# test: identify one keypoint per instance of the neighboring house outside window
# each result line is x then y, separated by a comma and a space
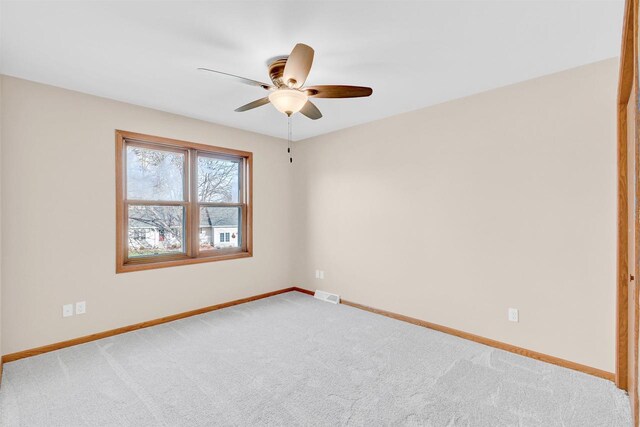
139, 233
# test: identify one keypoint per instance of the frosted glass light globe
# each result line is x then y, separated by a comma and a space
288, 101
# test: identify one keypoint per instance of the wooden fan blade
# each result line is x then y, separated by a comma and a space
338, 91
298, 66
241, 79
311, 111
257, 103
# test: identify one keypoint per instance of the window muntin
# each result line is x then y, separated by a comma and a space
180, 202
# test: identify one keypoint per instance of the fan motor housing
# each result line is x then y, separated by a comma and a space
276, 69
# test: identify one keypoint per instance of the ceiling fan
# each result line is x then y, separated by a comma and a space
288, 95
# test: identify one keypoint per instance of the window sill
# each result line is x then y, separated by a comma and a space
129, 267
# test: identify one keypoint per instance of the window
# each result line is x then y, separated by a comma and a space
180, 202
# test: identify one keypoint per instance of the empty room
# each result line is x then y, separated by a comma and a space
319, 213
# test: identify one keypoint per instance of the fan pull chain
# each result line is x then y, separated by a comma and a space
289, 139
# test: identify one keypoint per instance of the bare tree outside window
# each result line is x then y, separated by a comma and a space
218, 180
154, 174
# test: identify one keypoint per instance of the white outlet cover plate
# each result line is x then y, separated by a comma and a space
513, 314
81, 307
67, 310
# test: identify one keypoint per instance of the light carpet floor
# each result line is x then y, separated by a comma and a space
294, 360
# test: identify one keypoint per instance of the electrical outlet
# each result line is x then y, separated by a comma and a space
513, 315
67, 310
81, 307
317, 274
321, 274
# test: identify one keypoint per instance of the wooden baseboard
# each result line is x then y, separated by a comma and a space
482, 340
88, 338
304, 291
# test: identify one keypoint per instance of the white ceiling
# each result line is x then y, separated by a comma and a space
413, 54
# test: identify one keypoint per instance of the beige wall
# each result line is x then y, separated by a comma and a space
58, 211
502, 199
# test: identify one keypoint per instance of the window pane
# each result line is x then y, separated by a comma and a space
220, 228
218, 180
155, 230
154, 174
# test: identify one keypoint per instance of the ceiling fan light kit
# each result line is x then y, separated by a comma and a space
288, 75
288, 101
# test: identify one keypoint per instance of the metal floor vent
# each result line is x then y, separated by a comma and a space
326, 296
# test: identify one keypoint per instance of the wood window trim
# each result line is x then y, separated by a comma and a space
192, 254
627, 334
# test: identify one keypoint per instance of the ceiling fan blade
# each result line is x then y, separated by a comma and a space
311, 111
298, 66
338, 91
257, 103
241, 79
